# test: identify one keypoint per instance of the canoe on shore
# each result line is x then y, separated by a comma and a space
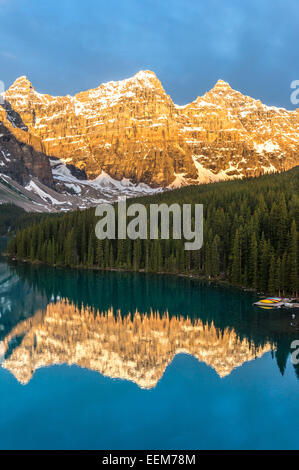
277, 302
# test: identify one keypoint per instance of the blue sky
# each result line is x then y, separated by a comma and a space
65, 46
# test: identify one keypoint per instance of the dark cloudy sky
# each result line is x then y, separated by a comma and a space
65, 46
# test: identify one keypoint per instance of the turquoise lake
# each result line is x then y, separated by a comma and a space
106, 360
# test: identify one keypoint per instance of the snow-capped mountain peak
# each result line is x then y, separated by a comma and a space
131, 129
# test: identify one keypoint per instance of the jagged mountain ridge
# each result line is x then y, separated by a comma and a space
32, 180
132, 129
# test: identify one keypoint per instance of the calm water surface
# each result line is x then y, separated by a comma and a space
93, 360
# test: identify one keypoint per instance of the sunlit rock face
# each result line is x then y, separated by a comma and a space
135, 347
132, 129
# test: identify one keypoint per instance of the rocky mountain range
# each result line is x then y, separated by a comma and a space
130, 133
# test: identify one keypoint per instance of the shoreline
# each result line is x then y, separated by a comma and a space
194, 276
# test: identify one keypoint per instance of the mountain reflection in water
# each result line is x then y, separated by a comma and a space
134, 347
131, 326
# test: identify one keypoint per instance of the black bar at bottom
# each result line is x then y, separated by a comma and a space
134, 459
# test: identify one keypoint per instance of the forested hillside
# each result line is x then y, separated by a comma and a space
250, 236
13, 217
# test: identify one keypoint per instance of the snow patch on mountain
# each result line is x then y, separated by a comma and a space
204, 175
179, 181
45, 196
268, 147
